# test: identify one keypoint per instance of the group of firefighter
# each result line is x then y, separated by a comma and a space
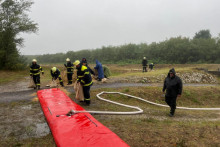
144, 64
83, 74
172, 83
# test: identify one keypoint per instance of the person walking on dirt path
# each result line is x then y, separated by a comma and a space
99, 68
151, 66
55, 73
69, 67
84, 62
35, 70
85, 79
173, 86
144, 64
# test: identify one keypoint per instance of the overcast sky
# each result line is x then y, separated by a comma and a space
72, 25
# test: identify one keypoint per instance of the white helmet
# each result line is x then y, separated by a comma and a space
67, 59
144, 57
34, 60
53, 69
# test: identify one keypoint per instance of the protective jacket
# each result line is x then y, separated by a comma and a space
144, 62
99, 69
69, 67
84, 76
35, 69
172, 85
55, 74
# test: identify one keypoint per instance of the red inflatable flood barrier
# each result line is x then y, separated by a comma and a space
78, 130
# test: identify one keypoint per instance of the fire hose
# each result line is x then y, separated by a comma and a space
138, 110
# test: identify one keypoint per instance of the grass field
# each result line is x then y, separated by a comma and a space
152, 128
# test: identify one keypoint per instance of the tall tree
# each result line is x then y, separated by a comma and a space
204, 34
13, 21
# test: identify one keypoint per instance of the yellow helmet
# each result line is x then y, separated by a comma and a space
53, 69
67, 59
76, 62
34, 60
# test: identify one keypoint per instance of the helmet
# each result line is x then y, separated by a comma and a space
67, 59
144, 57
53, 69
34, 60
76, 62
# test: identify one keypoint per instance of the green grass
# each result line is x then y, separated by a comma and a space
152, 128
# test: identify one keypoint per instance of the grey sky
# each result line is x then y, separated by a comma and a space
71, 25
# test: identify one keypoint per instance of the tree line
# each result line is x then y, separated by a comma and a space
13, 21
202, 48
179, 50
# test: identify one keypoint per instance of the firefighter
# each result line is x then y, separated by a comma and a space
144, 64
35, 70
69, 67
55, 73
151, 66
84, 62
85, 79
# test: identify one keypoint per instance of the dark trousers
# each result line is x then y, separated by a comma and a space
86, 92
171, 101
36, 79
70, 78
144, 68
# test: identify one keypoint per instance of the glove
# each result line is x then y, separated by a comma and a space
65, 65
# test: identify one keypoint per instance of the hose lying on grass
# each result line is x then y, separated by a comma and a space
139, 110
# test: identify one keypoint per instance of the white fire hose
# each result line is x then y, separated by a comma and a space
139, 110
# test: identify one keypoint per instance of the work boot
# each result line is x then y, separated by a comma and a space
62, 84
171, 115
87, 102
172, 111
69, 83
38, 87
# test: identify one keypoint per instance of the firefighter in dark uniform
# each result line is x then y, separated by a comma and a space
144, 64
84, 62
55, 73
35, 70
69, 67
151, 66
84, 77
173, 86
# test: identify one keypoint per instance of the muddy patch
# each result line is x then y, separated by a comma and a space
22, 120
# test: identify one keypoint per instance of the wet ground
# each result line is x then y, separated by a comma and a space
21, 117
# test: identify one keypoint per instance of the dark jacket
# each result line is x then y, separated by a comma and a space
84, 76
35, 69
55, 74
144, 62
99, 69
172, 85
69, 67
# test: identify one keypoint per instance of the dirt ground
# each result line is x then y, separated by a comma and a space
22, 122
